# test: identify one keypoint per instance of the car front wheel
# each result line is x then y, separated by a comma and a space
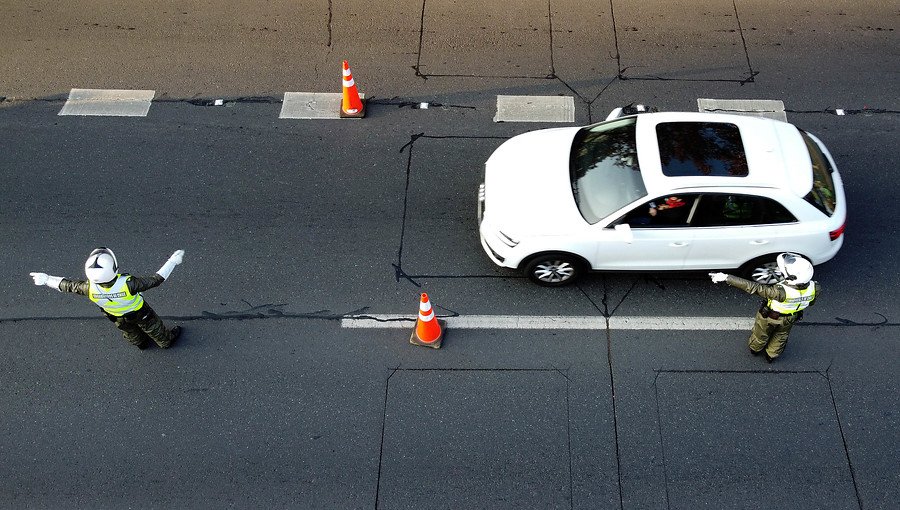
554, 270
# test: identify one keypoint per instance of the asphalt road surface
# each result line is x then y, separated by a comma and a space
294, 227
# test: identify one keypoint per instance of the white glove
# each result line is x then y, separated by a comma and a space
46, 279
40, 278
170, 264
718, 277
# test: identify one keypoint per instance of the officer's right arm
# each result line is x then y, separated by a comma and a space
762, 290
75, 286
45, 279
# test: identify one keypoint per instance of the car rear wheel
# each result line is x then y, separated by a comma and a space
554, 269
763, 270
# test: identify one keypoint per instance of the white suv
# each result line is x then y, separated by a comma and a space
660, 192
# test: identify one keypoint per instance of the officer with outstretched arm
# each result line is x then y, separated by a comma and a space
119, 296
785, 302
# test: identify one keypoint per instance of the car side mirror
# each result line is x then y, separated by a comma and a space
624, 233
615, 114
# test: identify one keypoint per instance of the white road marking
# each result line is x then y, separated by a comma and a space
108, 102
768, 108
593, 322
535, 109
312, 105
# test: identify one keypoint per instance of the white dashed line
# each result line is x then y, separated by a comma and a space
592, 322
108, 102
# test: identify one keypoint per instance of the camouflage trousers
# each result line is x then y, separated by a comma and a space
141, 326
771, 334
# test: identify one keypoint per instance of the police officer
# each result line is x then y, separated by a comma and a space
785, 303
119, 296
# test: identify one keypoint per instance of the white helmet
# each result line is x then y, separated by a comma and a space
101, 266
795, 269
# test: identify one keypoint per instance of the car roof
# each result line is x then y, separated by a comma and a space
775, 152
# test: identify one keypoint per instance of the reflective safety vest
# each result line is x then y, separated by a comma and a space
116, 300
795, 299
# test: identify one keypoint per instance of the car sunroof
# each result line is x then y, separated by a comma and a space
690, 149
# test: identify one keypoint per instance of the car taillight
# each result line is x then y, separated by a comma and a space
834, 234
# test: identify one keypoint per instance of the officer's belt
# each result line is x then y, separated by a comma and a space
765, 311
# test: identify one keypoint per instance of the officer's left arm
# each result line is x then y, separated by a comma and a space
166, 270
141, 283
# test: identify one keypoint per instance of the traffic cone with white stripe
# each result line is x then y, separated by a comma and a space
351, 106
429, 329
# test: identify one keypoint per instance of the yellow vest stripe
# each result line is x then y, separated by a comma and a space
795, 299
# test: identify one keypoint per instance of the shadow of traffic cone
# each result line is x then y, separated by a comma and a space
351, 106
429, 329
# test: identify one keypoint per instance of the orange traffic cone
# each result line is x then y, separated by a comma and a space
351, 106
428, 328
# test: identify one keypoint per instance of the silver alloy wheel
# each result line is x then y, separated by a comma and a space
554, 271
766, 273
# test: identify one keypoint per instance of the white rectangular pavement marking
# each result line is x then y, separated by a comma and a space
312, 105
768, 108
108, 102
535, 109
558, 322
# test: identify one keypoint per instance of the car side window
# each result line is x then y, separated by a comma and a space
726, 210
662, 212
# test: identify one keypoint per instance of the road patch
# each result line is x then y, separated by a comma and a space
108, 102
535, 109
767, 108
312, 105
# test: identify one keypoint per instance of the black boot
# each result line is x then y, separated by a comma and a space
176, 332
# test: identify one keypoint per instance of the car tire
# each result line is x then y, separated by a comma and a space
554, 269
762, 270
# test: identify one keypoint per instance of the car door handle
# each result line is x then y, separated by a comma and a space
759, 242
678, 244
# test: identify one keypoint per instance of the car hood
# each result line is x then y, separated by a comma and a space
527, 184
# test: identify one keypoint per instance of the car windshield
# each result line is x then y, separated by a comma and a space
604, 168
822, 195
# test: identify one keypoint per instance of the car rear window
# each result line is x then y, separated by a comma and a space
690, 149
730, 210
822, 195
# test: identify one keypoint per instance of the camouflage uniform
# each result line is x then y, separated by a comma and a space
139, 326
770, 329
